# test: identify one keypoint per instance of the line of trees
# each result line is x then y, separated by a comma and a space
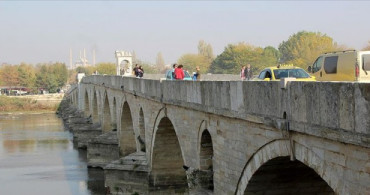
49, 77
301, 49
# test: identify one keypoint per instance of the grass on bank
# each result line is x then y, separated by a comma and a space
13, 104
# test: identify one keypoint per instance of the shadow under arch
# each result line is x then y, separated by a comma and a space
206, 151
166, 158
271, 164
107, 124
86, 105
205, 173
114, 114
95, 114
141, 137
127, 141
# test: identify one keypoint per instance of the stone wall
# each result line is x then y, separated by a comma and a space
341, 108
204, 77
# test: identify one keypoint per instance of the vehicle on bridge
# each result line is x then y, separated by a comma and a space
276, 73
342, 66
169, 76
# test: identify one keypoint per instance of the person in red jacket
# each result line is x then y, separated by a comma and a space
179, 72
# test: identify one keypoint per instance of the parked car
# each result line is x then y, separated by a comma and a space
342, 66
168, 75
275, 73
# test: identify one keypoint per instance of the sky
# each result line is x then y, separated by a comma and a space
45, 31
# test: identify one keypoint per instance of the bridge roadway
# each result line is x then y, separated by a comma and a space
235, 137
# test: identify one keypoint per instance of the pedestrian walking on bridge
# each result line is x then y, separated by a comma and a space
248, 74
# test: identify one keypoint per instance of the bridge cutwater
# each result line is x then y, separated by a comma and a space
223, 137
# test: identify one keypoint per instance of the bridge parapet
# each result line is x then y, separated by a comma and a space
334, 110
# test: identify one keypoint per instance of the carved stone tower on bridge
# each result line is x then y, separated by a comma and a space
124, 63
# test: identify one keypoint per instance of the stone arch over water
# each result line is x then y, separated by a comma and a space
127, 141
167, 160
107, 124
206, 160
283, 176
270, 170
206, 151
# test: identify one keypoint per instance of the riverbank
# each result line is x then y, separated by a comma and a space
12, 113
30, 104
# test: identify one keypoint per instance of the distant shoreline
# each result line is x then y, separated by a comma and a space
30, 104
27, 112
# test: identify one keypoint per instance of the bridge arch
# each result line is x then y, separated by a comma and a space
95, 114
167, 161
107, 124
114, 114
127, 141
141, 137
206, 159
86, 104
272, 162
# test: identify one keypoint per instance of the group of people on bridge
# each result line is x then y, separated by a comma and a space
179, 74
246, 73
138, 71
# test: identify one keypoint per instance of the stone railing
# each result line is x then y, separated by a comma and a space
335, 110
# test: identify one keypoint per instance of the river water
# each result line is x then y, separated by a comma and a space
37, 156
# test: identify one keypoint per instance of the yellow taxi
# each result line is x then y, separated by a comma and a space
275, 73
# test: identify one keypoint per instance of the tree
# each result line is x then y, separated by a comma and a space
160, 63
271, 56
203, 59
205, 49
9, 75
148, 68
51, 77
106, 68
42, 77
302, 48
72, 76
27, 75
60, 72
86, 70
191, 61
234, 57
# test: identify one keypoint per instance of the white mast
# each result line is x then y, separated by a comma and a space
84, 61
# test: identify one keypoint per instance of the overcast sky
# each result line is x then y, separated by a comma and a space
45, 31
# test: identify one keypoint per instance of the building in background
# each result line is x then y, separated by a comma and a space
81, 61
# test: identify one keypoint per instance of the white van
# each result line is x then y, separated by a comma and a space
342, 66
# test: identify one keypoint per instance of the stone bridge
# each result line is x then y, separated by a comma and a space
229, 137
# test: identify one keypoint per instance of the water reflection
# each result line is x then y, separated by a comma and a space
37, 157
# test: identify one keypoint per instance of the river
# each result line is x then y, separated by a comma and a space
37, 156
